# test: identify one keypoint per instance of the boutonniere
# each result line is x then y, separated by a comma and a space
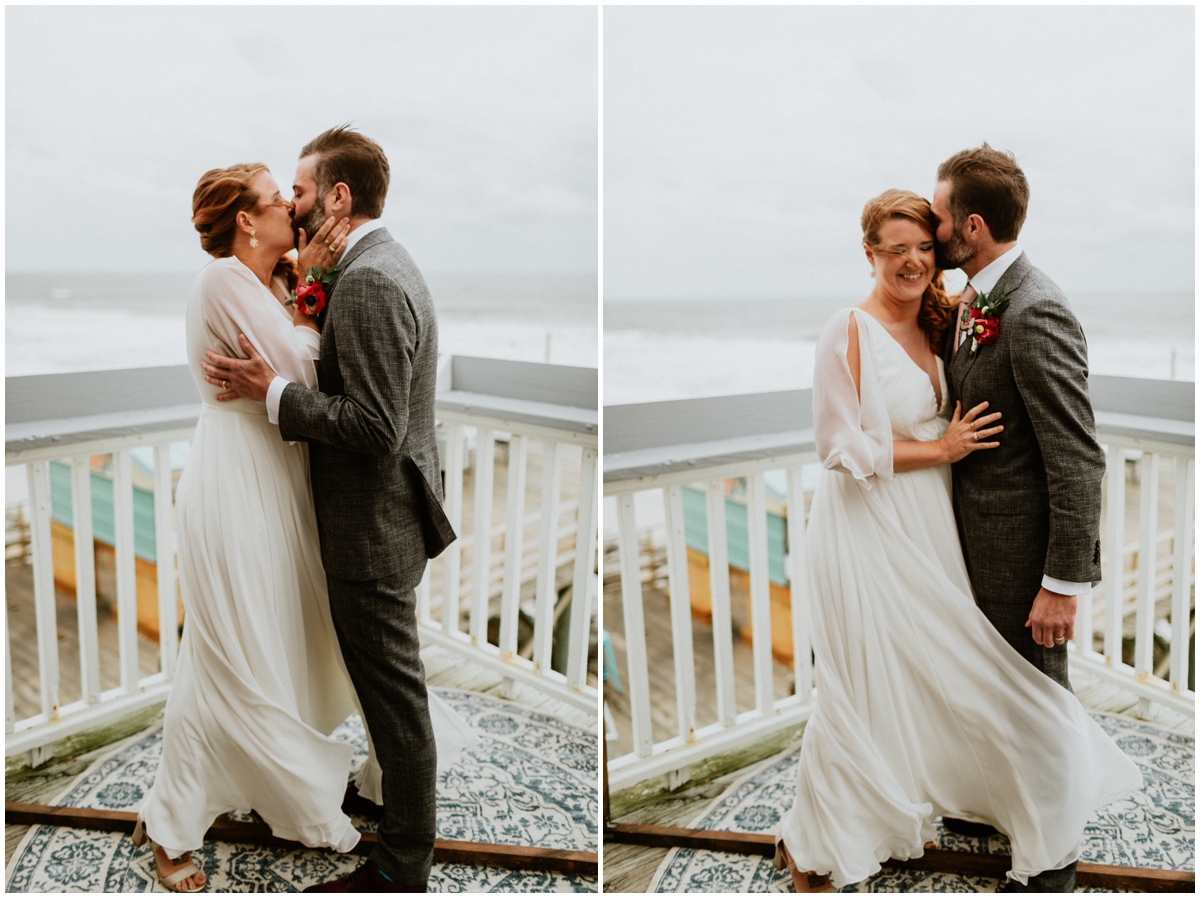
981, 322
310, 293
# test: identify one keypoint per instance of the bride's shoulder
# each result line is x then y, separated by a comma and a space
222, 273
836, 328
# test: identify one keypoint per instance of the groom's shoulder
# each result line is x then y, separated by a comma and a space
1034, 288
388, 261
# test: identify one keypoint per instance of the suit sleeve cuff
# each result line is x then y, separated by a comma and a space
274, 394
1065, 587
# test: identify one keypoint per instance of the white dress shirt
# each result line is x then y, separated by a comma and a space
985, 282
275, 391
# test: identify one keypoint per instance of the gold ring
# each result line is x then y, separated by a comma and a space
976, 435
224, 385
1059, 640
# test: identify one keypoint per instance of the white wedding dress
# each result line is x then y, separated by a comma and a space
922, 708
260, 683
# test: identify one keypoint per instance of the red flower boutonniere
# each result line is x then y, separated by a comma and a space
310, 292
981, 322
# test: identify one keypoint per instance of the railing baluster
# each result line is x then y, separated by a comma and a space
760, 594
9, 716
585, 561
85, 580
1181, 574
452, 572
481, 551
546, 590
798, 577
518, 451
126, 571
635, 627
1113, 570
681, 613
164, 553
43, 585
722, 619
1143, 646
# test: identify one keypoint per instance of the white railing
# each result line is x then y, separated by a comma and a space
70, 418
654, 450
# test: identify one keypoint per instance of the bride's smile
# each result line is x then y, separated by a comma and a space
903, 260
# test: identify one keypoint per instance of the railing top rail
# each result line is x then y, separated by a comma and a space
51, 410
658, 438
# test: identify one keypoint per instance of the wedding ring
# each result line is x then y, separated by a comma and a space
224, 385
1059, 640
976, 435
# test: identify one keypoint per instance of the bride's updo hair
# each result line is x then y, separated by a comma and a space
937, 312
221, 194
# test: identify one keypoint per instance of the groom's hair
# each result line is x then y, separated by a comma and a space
990, 184
347, 157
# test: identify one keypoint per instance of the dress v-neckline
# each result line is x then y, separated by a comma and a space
941, 368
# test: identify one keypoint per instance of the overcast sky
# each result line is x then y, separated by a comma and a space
488, 117
742, 143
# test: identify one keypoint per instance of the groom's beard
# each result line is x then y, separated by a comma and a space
954, 253
311, 221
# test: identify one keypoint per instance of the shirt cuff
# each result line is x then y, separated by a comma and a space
1065, 587
311, 340
274, 394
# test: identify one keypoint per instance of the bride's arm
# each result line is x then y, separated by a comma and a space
956, 443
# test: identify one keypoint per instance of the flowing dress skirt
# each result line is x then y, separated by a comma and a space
259, 683
922, 708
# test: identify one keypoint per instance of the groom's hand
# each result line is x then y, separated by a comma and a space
239, 378
1053, 615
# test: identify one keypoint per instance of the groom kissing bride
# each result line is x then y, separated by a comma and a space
953, 527
300, 599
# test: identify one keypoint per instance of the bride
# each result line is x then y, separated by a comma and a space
260, 683
923, 709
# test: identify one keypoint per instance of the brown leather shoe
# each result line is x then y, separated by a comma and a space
366, 878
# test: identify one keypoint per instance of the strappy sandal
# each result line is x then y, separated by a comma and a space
801, 879
171, 879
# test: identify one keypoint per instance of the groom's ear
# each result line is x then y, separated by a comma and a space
341, 201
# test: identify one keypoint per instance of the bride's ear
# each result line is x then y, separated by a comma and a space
243, 222
870, 256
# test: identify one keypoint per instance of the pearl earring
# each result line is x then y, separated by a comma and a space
253, 240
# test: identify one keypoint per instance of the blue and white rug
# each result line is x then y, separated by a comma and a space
531, 780
1155, 827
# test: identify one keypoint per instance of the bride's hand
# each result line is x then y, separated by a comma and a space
326, 246
968, 432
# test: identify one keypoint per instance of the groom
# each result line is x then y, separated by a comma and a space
1029, 511
375, 481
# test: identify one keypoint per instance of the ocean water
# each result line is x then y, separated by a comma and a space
671, 349
57, 323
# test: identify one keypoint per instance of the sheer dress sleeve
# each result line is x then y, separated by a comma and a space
853, 434
234, 302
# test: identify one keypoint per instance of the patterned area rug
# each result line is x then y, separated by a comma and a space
531, 780
1155, 827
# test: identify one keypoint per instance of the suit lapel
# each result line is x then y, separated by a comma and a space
962, 361
376, 237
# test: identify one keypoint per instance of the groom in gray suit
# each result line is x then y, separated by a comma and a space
1029, 511
375, 479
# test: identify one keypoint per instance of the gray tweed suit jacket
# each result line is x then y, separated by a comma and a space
370, 426
1031, 506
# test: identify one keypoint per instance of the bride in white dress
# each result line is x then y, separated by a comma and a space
259, 683
923, 709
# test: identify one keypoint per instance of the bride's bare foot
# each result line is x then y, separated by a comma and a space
166, 867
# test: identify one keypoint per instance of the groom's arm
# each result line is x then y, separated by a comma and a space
1050, 368
375, 336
